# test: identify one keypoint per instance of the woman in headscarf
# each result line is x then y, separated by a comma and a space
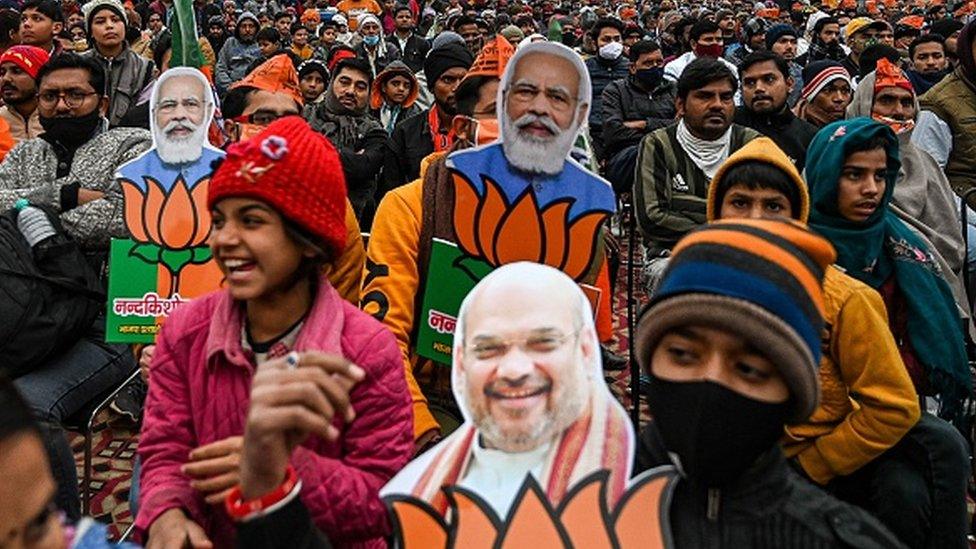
852, 168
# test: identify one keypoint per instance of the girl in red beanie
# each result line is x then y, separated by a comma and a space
278, 208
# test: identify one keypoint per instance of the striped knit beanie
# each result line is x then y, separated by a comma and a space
760, 279
819, 74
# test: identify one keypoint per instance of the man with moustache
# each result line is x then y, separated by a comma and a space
343, 117
826, 93
766, 85
676, 163
182, 107
19, 66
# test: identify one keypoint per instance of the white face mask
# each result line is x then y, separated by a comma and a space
612, 50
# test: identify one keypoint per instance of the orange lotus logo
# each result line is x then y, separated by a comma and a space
491, 229
169, 228
640, 519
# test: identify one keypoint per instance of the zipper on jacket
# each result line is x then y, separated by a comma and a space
714, 500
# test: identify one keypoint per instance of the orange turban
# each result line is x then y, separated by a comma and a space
888, 75
492, 58
276, 75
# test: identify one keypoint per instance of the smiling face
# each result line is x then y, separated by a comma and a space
253, 251
523, 364
862, 184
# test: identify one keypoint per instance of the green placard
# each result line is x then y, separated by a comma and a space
450, 276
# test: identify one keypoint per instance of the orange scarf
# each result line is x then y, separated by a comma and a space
442, 141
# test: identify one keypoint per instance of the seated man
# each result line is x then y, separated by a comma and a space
343, 117
852, 170
826, 93
731, 343
675, 164
766, 85
71, 169
929, 62
634, 106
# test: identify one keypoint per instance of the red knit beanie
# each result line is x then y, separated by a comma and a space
293, 169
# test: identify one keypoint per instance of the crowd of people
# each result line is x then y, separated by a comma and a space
797, 179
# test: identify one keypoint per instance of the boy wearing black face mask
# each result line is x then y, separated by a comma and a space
731, 344
639, 103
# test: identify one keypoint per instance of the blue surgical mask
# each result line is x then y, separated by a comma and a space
649, 78
371, 40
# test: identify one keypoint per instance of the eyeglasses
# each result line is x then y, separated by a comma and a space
535, 346
72, 98
558, 99
261, 118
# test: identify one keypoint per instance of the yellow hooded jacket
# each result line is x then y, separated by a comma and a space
867, 401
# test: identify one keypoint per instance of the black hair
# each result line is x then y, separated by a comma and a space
163, 45
296, 26
310, 268
69, 60
400, 7
606, 22
756, 174
269, 34
328, 25
463, 20
468, 93
874, 53
702, 72
925, 39
15, 415
702, 27
281, 15
355, 63
235, 101
762, 56
49, 8
877, 142
821, 23
642, 47
9, 23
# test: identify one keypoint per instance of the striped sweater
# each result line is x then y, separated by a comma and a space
669, 189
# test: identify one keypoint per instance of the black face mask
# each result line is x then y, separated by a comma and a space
649, 78
71, 131
716, 432
569, 39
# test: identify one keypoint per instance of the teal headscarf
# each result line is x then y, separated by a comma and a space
881, 246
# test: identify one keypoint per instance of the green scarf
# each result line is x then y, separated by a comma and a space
882, 246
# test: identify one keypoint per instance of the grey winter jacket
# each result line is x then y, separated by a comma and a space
128, 78
30, 171
625, 102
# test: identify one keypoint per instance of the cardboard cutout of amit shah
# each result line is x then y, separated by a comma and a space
166, 261
544, 455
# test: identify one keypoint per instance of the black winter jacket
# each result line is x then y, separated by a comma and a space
790, 133
602, 73
409, 143
414, 51
623, 102
769, 507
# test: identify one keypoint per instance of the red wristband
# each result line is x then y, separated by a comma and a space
239, 509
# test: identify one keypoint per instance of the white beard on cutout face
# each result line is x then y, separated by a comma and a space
529, 153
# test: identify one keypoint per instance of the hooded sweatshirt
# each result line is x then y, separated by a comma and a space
922, 198
888, 255
390, 115
236, 55
860, 358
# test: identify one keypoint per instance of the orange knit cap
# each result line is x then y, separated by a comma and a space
310, 15
276, 75
492, 59
888, 75
914, 21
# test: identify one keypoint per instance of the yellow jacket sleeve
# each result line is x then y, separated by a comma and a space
885, 404
391, 280
346, 274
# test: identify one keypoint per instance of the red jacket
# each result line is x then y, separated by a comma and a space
199, 393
